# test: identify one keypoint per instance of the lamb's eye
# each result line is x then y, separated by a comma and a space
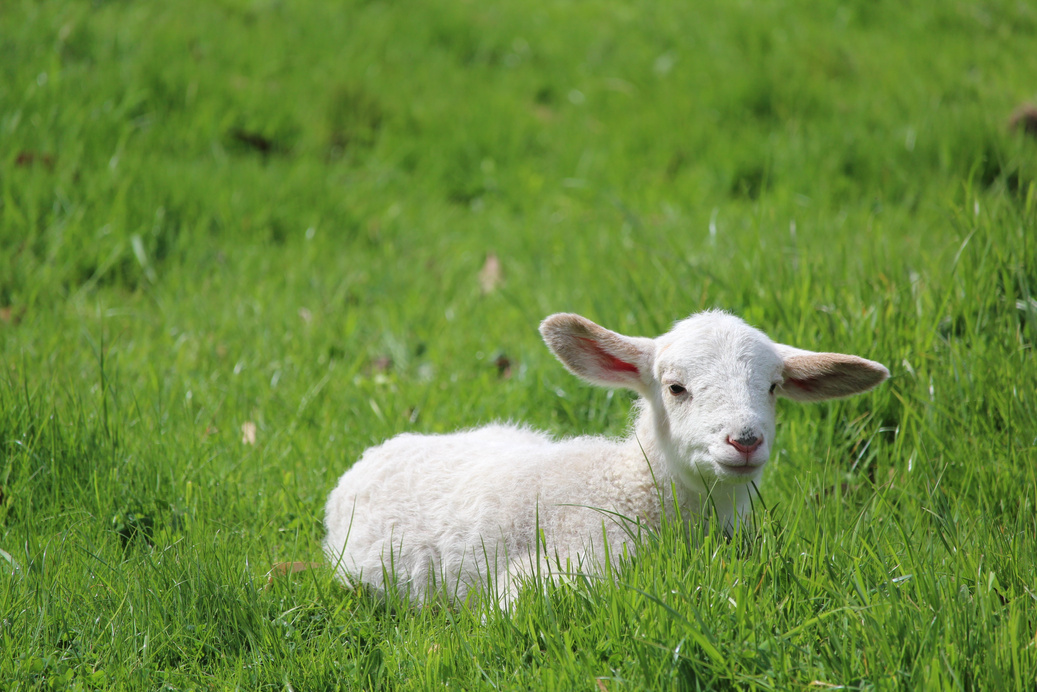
677, 389
773, 387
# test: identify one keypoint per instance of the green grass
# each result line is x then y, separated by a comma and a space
216, 214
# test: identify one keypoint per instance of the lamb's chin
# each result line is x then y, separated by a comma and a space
743, 473
735, 470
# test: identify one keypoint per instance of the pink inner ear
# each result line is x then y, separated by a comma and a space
608, 361
805, 385
614, 363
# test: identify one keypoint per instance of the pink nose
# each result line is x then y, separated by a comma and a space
746, 444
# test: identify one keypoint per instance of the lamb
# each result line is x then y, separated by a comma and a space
485, 509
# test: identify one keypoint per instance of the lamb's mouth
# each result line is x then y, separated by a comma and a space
740, 469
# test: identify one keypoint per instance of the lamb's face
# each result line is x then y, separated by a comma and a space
715, 386
710, 385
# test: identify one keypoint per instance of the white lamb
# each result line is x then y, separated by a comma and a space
487, 508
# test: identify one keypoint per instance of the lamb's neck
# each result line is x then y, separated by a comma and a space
644, 446
645, 442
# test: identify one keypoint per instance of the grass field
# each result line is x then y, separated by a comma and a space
240, 242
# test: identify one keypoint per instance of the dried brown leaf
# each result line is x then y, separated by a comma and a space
1024, 120
491, 275
9, 315
282, 569
256, 141
248, 433
27, 158
503, 364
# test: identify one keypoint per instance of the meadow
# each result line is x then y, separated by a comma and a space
242, 241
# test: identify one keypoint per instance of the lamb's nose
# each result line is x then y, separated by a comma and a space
747, 442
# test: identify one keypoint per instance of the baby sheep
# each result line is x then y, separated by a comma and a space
487, 508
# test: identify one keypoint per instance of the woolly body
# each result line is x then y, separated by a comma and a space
451, 510
448, 513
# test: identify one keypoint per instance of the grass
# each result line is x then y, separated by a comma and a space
239, 217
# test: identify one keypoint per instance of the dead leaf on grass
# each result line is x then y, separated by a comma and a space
491, 275
282, 569
256, 141
248, 433
1024, 120
28, 158
503, 364
8, 315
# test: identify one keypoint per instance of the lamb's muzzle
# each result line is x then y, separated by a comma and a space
747, 442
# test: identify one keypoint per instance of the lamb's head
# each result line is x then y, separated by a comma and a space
709, 386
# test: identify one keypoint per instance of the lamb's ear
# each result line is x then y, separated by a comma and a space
813, 376
597, 354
